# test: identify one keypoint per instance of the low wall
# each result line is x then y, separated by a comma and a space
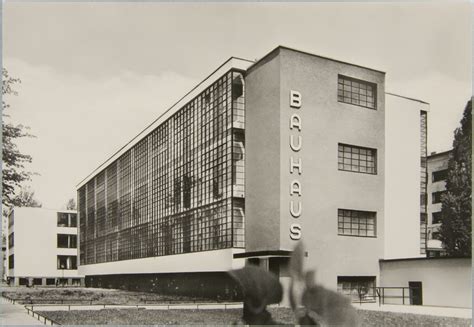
445, 281
211, 285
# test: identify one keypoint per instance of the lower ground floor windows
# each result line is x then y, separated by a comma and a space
359, 288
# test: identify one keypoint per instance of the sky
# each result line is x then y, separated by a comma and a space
95, 74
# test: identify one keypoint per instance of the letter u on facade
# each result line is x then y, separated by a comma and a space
294, 213
294, 147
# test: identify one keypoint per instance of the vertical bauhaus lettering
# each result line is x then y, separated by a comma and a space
295, 213
296, 143
295, 99
295, 122
295, 164
295, 188
295, 147
295, 231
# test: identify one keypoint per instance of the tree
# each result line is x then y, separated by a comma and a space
26, 198
71, 204
456, 210
13, 161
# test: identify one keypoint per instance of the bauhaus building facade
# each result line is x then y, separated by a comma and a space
258, 156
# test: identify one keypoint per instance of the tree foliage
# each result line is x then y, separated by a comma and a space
25, 198
13, 161
71, 204
456, 211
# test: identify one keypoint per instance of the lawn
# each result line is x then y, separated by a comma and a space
231, 316
82, 295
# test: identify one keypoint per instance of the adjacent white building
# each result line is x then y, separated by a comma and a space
42, 247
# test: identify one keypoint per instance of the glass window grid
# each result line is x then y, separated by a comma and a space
357, 159
173, 191
357, 223
357, 92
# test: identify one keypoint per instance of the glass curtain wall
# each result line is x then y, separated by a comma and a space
178, 190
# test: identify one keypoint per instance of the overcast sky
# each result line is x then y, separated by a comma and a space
95, 74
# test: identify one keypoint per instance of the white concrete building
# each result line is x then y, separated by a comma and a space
42, 247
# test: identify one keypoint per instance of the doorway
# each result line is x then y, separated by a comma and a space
416, 293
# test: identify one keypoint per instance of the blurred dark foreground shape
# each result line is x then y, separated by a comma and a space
311, 303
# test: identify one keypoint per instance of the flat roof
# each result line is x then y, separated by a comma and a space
266, 253
231, 63
439, 154
401, 96
310, 54
43, 208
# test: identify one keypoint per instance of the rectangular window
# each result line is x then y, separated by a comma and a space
436, 196
356, 223
356, 92
67, 262
436, 217
357, 287
62, 219
67, 241
73, 220
11, 242
50, 281
357, 159
440, 175
11, 261
67, 219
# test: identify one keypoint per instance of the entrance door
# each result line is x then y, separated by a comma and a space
416, 293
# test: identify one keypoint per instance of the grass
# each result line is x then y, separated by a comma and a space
80, 295
231, 316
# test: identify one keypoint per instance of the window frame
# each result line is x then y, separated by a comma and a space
436, 217
359, 166
436, 197
435, 175
360, 81
71, 259
339, 216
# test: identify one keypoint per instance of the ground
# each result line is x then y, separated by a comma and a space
180, 316
82, 295
231, 316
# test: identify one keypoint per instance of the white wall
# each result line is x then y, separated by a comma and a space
35, 244
445, 281
206, 261
402, 177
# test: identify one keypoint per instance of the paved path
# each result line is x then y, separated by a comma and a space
418, 309
194, 306
15, 314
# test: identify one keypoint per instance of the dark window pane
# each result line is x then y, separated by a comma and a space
62, 219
